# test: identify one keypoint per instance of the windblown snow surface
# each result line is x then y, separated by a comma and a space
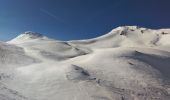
128, 63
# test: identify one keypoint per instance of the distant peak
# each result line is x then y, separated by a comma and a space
33, 35
26, 36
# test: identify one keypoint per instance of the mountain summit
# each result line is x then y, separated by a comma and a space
32, 35
27, 36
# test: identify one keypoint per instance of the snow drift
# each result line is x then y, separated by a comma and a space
128, 63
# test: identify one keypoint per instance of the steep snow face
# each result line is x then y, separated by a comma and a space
128, 63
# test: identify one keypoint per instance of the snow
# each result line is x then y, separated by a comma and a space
26, 36
128, 63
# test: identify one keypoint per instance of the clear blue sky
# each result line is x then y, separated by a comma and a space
79, 19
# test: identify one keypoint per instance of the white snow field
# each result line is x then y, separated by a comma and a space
128, 63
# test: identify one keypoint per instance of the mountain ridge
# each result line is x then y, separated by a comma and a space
35, 35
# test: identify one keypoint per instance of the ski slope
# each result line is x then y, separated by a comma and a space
128, 63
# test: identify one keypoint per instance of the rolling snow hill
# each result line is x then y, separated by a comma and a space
128, 63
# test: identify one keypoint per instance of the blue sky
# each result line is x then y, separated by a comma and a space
79, 19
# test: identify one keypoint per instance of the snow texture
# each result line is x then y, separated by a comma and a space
128, 63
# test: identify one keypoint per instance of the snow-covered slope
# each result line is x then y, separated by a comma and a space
11, 55
128, 63
129, 36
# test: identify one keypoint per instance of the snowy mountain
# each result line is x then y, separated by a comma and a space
26, 36
128, 63
129, 36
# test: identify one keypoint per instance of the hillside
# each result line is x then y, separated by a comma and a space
128, 63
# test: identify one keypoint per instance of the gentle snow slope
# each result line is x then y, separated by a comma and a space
129, 63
